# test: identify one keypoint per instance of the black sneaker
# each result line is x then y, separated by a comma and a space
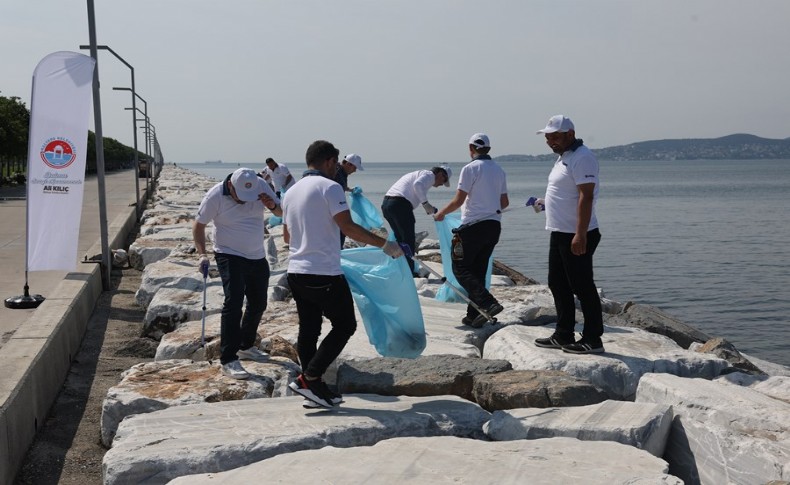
492, 310
585, 347
467, 320
315, 390
336, 399
554, 342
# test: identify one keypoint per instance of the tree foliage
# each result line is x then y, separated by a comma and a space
14, 125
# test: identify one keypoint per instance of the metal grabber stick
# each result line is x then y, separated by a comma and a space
489, 318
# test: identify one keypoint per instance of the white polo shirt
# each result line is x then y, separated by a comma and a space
309, 208
571, 169
238, 228
278, 176
484, 183
413, 187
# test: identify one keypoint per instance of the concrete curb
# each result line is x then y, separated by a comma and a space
37, 358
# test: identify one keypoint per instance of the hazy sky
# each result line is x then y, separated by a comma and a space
410, 80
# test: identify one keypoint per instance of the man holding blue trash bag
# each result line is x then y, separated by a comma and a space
481, 195
236, 206
314, 213
404, 196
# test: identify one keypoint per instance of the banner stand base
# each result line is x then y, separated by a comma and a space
25, 301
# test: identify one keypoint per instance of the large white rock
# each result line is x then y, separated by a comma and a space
200, 438
171, 306
155, 247
171, 272
641, 425
722, 433
159, 385
452, 461
630, 353
777, 387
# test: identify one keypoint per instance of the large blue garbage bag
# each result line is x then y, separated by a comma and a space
384, 291
274, 221
445, 230
363, 212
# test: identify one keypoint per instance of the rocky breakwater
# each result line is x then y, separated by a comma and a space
478, 405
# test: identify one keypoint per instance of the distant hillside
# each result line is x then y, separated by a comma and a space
732, 147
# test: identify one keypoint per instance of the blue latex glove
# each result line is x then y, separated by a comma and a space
406, 250
203, 266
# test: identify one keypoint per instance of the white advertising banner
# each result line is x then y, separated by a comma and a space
59, 116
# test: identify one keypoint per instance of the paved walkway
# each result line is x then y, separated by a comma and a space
120, 195
38, 345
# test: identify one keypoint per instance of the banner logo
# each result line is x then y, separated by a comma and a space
58, 152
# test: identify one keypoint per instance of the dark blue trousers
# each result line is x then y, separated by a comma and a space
400, 215
241, 277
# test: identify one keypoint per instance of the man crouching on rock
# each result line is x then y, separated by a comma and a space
236, 206
314, 213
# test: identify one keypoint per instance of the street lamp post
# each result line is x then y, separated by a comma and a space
146, 120
134, 123
105, 245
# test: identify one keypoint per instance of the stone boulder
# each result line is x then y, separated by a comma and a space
171, 306
174, 273
452, 461
202, 438
777, 387
431, 375
630, 353
155, 247
159, 385
533, 389
725, 350
654, 320
641, 425
721, 433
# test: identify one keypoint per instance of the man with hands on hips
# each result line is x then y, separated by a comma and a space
236, 206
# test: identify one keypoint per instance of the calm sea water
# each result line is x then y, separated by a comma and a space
706, 241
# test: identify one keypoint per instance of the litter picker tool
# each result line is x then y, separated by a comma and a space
489, 318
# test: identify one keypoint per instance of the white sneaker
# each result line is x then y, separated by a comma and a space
235, 370
308, 404
253, 353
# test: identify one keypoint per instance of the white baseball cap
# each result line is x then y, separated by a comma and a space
480, 140
246, 184
354, 160
449, 171
557, 123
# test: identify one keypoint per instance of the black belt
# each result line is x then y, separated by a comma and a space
394, 197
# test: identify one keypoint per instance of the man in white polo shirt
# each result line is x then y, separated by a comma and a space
481, 195
570, 216
405, 195
236, 206
350, 164
278, 175
314, 213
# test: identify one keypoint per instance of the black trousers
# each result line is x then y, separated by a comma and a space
400, 215
241, 277
317, 296
570, 274
478, 241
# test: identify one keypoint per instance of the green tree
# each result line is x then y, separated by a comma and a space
14, 125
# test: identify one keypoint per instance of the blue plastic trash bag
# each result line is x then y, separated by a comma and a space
364, 213
384, 291
356, 190
445, 230
275, 221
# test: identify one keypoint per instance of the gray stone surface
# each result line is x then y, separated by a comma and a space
777, 387
723, 349
630, 353
199, 438
641, 425
722, 433
655, 320
452, 461
430, 375
533, 389
172, 306
158, 385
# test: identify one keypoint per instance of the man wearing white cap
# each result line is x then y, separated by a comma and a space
405, 195
481, 195
350, 164
570, 216
236, 206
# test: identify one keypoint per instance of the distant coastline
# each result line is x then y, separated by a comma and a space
731, 147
